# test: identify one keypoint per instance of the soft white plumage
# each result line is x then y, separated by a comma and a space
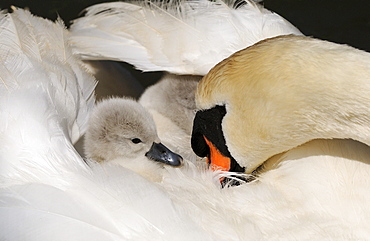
316, 191
181, 37
37, 86
47, 191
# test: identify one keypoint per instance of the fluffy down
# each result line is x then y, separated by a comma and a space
172, 104
122, 131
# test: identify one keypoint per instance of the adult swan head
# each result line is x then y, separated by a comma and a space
278, 94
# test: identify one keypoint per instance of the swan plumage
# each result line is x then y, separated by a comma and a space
180, 37
47, 191
28, 69
315, 191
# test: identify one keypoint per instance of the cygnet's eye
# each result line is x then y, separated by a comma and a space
136, 140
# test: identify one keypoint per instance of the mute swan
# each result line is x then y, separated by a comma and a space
171, 102
274, 109
279, 94
122, 131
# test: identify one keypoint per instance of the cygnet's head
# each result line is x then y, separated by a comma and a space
121, 130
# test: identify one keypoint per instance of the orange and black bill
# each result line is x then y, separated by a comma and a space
208, 140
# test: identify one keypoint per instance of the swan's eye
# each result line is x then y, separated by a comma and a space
136, 140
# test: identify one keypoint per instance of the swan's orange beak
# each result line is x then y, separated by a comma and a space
216, 160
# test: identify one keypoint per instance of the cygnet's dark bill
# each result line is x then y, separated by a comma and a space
160, 153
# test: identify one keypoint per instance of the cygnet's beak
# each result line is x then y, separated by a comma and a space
160, 153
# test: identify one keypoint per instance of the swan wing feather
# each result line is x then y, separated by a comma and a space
182, 37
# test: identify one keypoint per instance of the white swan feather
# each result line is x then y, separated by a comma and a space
182, 37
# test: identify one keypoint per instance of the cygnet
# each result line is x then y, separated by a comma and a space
122, 131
